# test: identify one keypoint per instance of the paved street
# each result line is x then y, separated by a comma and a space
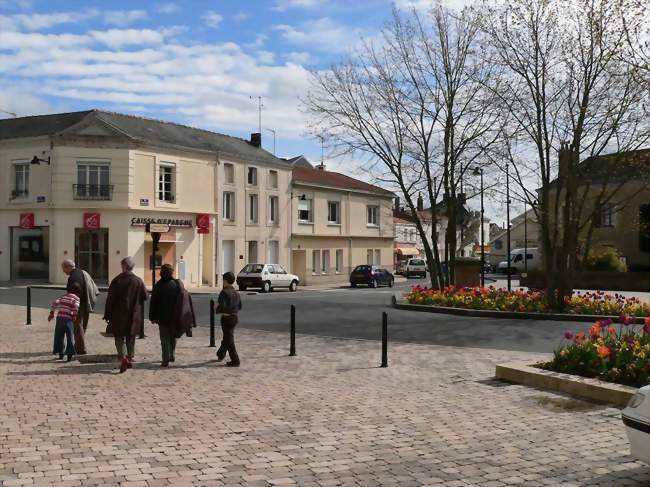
324, 418
356, 313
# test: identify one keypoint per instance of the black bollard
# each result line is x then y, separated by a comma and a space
29, 305
212, 343
292, 345
384, 339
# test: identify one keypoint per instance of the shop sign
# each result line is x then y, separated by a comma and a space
139, 221
27, 221
144, 202
203, 223
156, 228
40, 199
92, 221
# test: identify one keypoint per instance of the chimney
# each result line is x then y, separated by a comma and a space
321, 166
256, 139
420, 202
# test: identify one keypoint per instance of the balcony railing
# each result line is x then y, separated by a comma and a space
97, 192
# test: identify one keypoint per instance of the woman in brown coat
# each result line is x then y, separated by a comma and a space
124, 311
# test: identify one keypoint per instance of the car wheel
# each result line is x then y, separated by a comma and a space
391, 282
373, 283
266, 287
293, 286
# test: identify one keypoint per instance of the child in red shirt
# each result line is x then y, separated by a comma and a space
67, 307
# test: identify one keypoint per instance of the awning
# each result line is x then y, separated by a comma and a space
407, 251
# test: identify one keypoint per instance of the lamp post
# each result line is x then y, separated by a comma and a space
525, 240
508, 224
478, 171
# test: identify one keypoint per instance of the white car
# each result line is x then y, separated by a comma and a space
266, 277
415, 267
636, 417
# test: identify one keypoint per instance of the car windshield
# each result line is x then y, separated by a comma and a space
417, 262
253, 269
363, 268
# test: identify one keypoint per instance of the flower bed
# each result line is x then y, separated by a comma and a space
607, 352
491, 298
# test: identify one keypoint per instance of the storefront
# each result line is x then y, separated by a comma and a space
29, 254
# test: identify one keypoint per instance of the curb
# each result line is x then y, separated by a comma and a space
583, 387
489, 313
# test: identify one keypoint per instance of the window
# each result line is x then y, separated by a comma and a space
333, 213
315, 261
274, 210
253, 268
166, 183
377, 257
606, 216
21, 180
229, 173
369, 257
326, 262
373, 216
644, 228
252, 208
252, 252
93, 180
273, 179
339, 261
252, 176
304, 211
228, 209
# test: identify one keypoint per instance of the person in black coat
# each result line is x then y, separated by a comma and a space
163, 311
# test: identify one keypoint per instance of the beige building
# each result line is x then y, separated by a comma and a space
83, 185
524, 232
338, 223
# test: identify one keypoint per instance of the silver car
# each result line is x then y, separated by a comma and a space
266, 277
636, 417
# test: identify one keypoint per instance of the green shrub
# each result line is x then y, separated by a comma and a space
606, 259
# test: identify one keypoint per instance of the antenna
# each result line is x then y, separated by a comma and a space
259, 108
322, 149
9, 113
273, 132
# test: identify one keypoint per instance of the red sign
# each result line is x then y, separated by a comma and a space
203, 223
92, 221
27, 221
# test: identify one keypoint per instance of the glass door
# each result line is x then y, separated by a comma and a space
91, 252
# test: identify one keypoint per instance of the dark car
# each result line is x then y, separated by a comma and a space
372, 276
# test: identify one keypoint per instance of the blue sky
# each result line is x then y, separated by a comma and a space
196, 62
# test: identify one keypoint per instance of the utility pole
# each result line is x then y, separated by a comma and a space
273, 132
508, 223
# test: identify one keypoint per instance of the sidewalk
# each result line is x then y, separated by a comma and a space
327, 417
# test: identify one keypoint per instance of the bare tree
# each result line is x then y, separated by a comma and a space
567, 96
418, 103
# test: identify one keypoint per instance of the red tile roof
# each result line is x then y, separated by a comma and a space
336, 180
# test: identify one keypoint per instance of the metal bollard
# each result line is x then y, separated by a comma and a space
384, 339
29, 305
212, 342
292, 345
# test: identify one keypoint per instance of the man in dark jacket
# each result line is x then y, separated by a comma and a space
229, 305
170, 308
76, 275
124, 311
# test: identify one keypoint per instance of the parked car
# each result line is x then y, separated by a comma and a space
415, 267
266, 277
636, 417
517, 263
371, 276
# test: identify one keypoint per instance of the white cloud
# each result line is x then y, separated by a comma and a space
266, 57
300, 58
167, 8
22, 103
212, 19
127, 37
284, 5
259, 41
426, 5
240, 16
123, 18
322, 34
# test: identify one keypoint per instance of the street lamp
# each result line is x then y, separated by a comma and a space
508, 224
478, 171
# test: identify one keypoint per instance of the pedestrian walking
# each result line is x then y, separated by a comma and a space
124, 311
88, 299
67, 309
172, 310
228, 304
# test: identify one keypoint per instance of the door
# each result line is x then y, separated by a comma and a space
228, 256
274, 252
166, 255
91, 252
299, 264
283, 279
30, 253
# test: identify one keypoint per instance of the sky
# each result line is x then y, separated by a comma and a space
201, 63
